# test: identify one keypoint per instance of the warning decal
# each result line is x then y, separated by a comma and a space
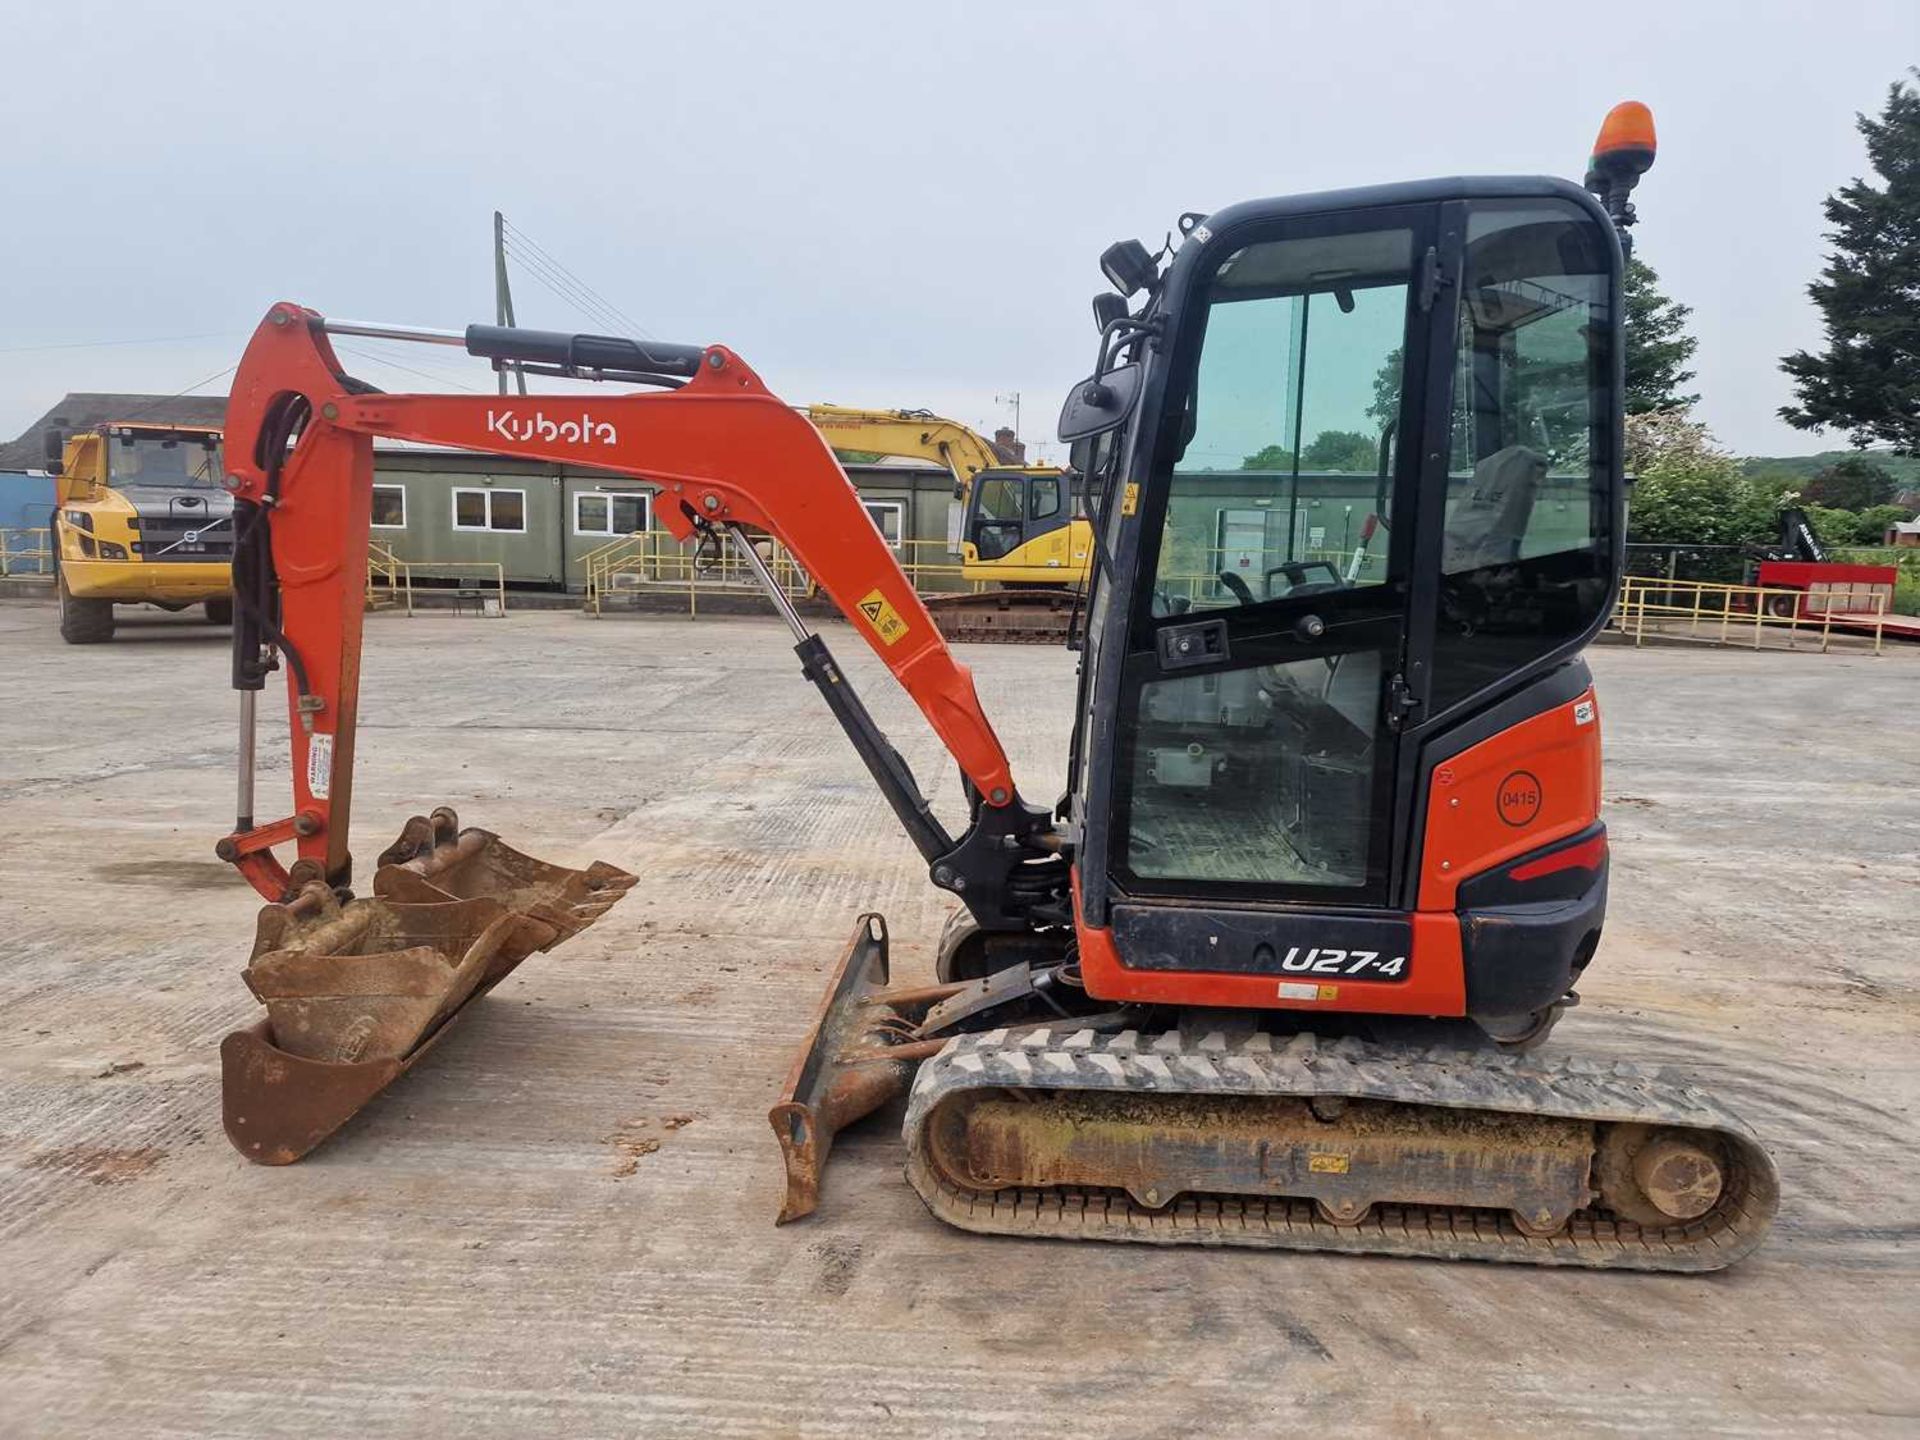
883, 617
320, 766
1329, 1164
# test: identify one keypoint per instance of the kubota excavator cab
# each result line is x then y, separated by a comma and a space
1363, 513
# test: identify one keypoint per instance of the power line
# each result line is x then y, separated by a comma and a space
180, 394
574, 300
526, 243
586, 304
421, 374
531, 244
421, 355
102, 344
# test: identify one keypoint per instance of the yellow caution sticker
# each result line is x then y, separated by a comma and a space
1329, 992
1130, 498
883, 617
1328, 1164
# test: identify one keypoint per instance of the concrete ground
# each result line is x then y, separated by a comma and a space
561, 1223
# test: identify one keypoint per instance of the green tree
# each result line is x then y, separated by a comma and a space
1852, 484
1658, 346
1345, 451
1872, 524
1835, 527
1688, 491
1867, 380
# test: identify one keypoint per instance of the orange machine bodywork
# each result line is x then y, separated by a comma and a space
722, 449
1532, 784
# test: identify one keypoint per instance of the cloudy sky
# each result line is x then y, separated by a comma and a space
890, 204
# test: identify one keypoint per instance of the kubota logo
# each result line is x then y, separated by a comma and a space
510, 425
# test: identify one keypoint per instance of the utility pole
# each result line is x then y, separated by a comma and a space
503, 295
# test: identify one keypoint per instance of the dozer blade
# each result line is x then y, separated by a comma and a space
856, 1058
1345, 1145
358, 991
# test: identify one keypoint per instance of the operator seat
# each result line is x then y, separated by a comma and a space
1489, 522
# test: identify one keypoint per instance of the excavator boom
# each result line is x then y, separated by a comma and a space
729, 458
358, 989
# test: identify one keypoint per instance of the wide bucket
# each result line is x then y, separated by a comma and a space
356, 992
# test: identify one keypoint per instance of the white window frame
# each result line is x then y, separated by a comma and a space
646, 511
899, 509
387, 485
489, 528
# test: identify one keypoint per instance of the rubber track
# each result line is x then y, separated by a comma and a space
1042, 1058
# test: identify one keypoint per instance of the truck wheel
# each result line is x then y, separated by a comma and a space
220, 610
84, 622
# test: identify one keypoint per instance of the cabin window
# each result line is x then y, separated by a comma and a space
389, 507
500, 510
888, 518
600, 512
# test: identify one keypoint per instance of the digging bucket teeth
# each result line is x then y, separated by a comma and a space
857, 1057
358, 991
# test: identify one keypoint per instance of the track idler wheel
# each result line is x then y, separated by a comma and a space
1659, 1177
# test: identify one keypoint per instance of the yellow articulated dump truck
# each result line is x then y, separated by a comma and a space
141, 518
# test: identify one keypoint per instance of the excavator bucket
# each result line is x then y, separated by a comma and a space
357, 991
859, 1055
434, 859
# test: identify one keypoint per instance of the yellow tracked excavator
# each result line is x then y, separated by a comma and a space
1329, 864
1023, 531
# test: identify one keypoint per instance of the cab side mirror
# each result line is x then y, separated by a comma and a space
1100, 403
1107, 308
53, 444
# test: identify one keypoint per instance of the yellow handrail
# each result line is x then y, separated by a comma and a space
1738, 614
383, 565
14, 555
659, 563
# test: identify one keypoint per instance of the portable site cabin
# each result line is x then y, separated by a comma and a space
447, 509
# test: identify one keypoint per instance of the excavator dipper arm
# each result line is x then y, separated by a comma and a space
729, 458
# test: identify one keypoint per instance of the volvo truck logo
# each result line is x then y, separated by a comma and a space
510, 425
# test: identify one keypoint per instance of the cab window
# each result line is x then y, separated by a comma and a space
1285, 477
1043, 497
1526, 557
1000, 498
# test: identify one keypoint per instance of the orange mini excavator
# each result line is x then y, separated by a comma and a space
1329, 856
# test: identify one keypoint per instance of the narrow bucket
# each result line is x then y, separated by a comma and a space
434, 859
